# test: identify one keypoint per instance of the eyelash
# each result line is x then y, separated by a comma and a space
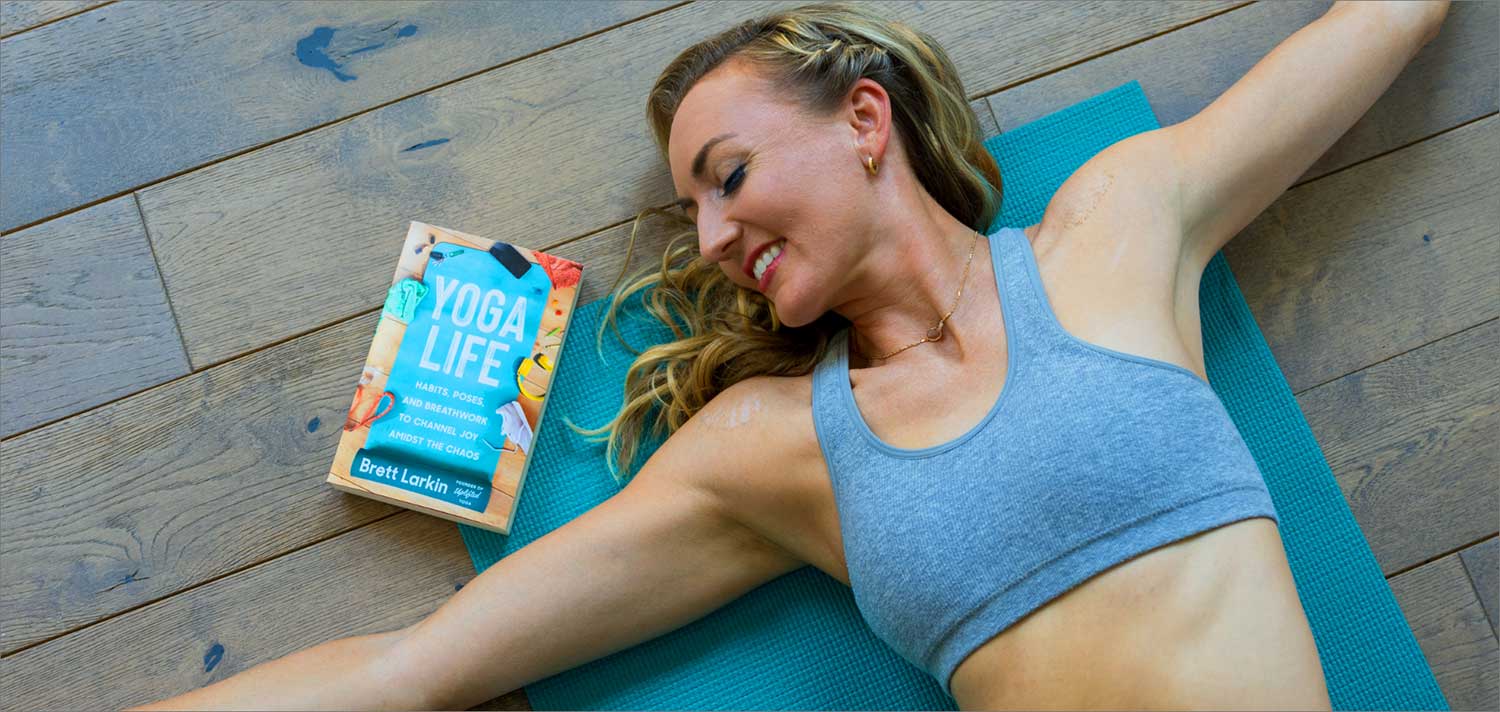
737, 172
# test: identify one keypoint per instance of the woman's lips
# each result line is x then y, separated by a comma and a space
765, 278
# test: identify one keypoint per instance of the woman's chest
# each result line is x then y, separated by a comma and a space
1089, 299
926, 407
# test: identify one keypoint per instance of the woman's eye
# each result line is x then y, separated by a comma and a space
734, 180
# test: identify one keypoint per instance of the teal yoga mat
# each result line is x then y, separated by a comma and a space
799, 643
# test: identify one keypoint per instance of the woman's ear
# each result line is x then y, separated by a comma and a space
870, 118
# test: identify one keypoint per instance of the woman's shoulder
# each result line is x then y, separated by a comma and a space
767, 468
753, 434
759, 401
745, 438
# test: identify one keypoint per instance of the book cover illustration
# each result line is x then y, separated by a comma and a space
452, 393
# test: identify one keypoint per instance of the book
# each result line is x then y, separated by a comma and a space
447, 408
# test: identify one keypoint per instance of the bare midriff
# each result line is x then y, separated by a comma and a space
1209, 622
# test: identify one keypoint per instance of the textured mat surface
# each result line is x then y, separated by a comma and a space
799, 643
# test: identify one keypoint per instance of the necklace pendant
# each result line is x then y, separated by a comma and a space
935, 333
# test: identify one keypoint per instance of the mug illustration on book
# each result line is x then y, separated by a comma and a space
355, 420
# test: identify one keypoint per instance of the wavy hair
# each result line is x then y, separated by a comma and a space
724, 333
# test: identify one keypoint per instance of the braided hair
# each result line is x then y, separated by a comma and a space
726, 333
817, 52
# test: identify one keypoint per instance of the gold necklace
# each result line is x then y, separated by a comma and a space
936, 332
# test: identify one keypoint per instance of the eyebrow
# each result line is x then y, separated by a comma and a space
699, 162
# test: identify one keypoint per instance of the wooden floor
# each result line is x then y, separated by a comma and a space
233, 181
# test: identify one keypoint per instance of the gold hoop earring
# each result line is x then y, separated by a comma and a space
870, 165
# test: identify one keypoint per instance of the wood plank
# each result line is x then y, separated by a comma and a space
514, 700
21, 15
209, 474
1376, 260
1482, 562
539, 151
1449, 624
378, 578
77, 129
176, 485
987, 125
83, 316
997, 45
1448, 83
321, 593
1411, 443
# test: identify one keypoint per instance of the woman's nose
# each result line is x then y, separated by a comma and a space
715, 236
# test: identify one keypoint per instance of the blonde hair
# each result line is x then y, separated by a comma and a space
725, 333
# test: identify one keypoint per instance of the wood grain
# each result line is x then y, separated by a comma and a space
999, 45
1481, 561
225, 77
381, 577
514, 700
1449, 624
83, 316
539, 151
987, 125
415, 561
1378, 259
1408, 440
176, 485
206, 475
21, 15
219, 471
1448, 83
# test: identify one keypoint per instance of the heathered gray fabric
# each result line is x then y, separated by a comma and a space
1089, 457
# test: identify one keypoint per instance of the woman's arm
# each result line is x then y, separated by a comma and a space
348, 673
659, 554
1241, 152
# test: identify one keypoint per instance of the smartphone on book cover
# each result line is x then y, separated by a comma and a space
447, 407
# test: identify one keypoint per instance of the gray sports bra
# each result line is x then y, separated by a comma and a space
1088, 458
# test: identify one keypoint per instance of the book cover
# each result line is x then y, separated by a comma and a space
453, 392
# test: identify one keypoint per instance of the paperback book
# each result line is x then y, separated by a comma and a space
453, 391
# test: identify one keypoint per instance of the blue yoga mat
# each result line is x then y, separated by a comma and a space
799, 642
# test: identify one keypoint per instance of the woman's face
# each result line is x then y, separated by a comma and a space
771, 176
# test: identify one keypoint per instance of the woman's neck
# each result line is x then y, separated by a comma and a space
909, 277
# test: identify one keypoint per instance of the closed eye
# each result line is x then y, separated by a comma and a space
737, 177
734, 180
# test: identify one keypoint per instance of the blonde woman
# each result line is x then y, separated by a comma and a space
1004, 442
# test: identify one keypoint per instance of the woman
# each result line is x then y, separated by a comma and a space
1006, 442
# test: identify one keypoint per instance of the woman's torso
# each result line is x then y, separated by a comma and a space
1208, 620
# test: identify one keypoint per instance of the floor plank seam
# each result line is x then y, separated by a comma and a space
278, 342
18, 33
233, 593
199, 369
1478, 592
1112, 50
1435, 557
994, 120
1366, 367
162, 280
197, 585
339, 120
236, 154
192, 373
1388, 152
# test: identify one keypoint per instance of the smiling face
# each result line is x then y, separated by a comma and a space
773, 176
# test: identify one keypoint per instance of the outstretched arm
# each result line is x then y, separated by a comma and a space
659, 554
1237, 155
